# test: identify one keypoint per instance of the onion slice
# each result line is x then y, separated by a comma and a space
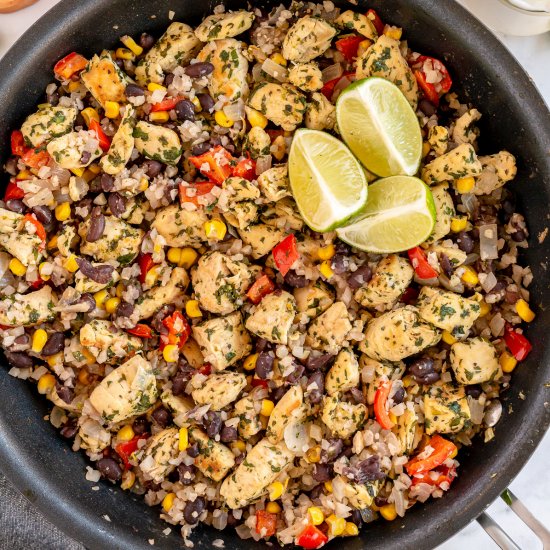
488, 239
278, 72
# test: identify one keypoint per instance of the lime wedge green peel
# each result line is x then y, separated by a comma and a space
327, 181
399, 214
380, 127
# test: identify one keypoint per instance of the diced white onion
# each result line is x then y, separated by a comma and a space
488, 239
263, 163
278, 72
296, 437
332, 72
234, 111
488, 282
470, 202
341, 85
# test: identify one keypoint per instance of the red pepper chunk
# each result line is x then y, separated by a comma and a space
429, 89
348, 46
266, 523
311, 538
259, 382
443, 475
13, 191
125, 450
18, 145
442, 450
145, 262
69, 65
177, 326
328, 88
40, 231
261, 287
285, 254
195, 190
380, 410
103, 138
206, 369
518, 345
141, 330
36, 158
246, 169
420, 263
166, 104
376, 21
216, 164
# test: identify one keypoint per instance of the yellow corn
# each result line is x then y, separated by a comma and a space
168, 501
393, 32
326, 252
94, 168
425, 148
198, 107
90, 359
276, 490
170, 353
192, 309
279, 59
151, 277
174, 255
183, 442
78, 172
448, 338
120, 288
215, 230
112, 109
240, 445
454, 453
130, 43
267, 407
250, 362
524, 311
84, 377
188, 257
88, 175
328, 486
313, 455
39, 339
126, 433
73, 86
152, 87
465, 185
55, 360
469, 277
256, 119
336, 525
351, 529
46, 383
143, 184
273, 508
111, 304
316, 515
17, 268
124, 53
408, 381
507, 362
160, 116
52, 243
364, 45
459, 224
100, 298
388, 512
484, 308
89, 114
223, 120
128, 480
63, 211
70, 264
392, 417
326, 270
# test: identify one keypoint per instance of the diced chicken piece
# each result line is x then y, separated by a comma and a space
181, 227
19, 238
274, 183
192, 353
223, 340
75, 149
496, 170
177, 46
464, 130
220, 390
85, 284
128, 390
359, 495
230, 69
351, 21
286, 412
257, 142
260, 467
47, 123
104, 79
407, 427
272, 317
282, 104
474, 361
384, 59
320, 113
343, 419
93, 436
120, 241
438, 138
242, 214
306, 76
28, 310
307, 39
241, 189
178, 405
398, 334
444, 212
313, 299
67, 239
283, 213
446, 409
376, 371
215, 459
447, 310
157, 142
392, 277
262, 238
160, 452
224, 25
328, 332
106, 342
122, 144
344, 373
460, 162
170, 293
248, 410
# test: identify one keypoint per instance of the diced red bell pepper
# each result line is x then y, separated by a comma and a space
206, 369
274, 134
166, 104
219, 163
328, 88
197, 190
349, 45
259, 382
36, 158
18, 145
104, 139
145, 262
429, 89
69, 65
285, 254
177, 326
424, 62
410, 295
38, 284
125, 450
380, 401
246, 169
444, 475
266, 523
261, 287
141, 330
40, 231
311, 538
442, 450
420, 263
13, 191
518, 345
376, 21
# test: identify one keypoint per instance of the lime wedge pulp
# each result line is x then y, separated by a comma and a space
327, 181
399, 214
380, 127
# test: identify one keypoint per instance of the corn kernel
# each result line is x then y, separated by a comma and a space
313, 455
17, 268
170, 353
326, 270
100, 298
316, 515
273, 508
336, 525
46, 383
351, 529
111, 304
459, 224
124, 53
88, 175
196, 102
392, 417
267, 407
425, 149
326, 252
94, 168
448, 338
39, 339
469, 277
112, 109
70, 264
388, 512
465, 185
90, 359
84, 377
215, 230
78, 172
55, 360
507, 362
52, 243
192, 309
256, 119
89, 114
24, 175
153, 87
168, 501
174, 255
143, 184
223, 120
393, 32
183, 442
364, 45
120, 288
276, 490
240, 445
279, 59
454, 453
126, 433
130, 43
128, 480
523, 309
328, 486
151, 277
160, 116
408, 381
484, 308
188, 257
250, 362
63, 212
73, 86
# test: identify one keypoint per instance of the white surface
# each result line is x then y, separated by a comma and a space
533, 483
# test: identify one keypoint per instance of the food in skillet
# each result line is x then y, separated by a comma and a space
200, 342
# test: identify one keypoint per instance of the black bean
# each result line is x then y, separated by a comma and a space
473, 391
511, 296
201, 148
231, 520
229, 434
161, 416
140, 425
262, 345
22, 340
332, 451
168, 79
519, 236
322, 472
316, 395
146, 41
185, 110
399, 395
53, 99
69, 430
87, 298
97, 225
316, 492
18, 359
366, 470
186, 473
206, 101
296, 374
357, 395
55, 344
193, 510
340, 247
264, 365
212, 422
179, 381
109, 469
43, 215
86, 206
446, 264
64, 393
152, 167
319, 362
423, 371
360, 276
294, 280
427, 107
193, 450
107, 182
85, 157
120, 63
196, 70
133, 90
356, 517
117, 204
279, 392
15, 205
124, 309
101, 274
465, 242
380, 501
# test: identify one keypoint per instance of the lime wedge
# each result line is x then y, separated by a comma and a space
327, 181
380, 127
399, 214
